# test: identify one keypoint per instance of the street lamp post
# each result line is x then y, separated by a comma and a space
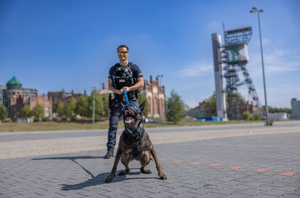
161, 108
93, 88
255, 10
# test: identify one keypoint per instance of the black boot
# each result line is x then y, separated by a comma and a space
109, 155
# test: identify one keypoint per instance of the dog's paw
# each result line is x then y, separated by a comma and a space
163, 177
146, 171
123, 173
109, 179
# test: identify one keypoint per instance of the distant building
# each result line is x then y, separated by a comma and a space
2, 88
17, 106
62, 96
278, 116
154, 93
295, 109
14, 88
201, 111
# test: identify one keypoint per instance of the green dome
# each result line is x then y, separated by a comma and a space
14, 84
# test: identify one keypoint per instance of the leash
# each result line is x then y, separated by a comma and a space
126, 97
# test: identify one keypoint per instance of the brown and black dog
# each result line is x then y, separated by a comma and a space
134, 143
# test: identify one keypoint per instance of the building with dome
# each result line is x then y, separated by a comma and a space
13, 88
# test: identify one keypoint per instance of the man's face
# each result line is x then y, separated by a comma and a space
123, 53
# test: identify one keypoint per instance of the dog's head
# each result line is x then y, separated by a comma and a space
133, 117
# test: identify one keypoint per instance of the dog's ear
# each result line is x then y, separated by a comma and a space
142, 106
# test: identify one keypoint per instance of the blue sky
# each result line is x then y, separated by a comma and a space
52, 44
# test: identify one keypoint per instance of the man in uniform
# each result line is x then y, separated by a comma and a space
122, 76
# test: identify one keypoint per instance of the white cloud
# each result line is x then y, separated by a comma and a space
198, 69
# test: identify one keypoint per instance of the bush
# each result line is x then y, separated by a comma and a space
7, 120
246, 116
55, 119
36, 120
74, 118
251, 118
64, 119
256, 117
46, 119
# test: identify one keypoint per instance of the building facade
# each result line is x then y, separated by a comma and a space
2, 88
14, 88
62, 96
154, 93
295, 104
17, 106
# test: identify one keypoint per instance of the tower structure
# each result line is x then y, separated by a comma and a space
234, 58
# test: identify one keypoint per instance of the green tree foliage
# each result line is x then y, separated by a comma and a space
26, 111
82, 106
38, 111
70, 107
246, 116
175, 108
105, 105
256, 117
99, 106
211, 104
60, 109
3, 112
141, 99
278, 110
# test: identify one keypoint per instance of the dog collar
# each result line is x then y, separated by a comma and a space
137, 130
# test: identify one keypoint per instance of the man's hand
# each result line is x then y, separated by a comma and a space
125, 88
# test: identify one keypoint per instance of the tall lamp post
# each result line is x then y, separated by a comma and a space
255, 10
93, 90
161, 109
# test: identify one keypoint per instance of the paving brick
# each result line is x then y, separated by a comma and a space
83, 174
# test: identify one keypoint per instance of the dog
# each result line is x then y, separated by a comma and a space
134, 143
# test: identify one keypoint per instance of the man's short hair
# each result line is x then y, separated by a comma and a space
123, 46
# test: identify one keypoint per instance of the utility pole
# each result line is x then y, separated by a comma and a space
93, 92
160, 103
254, 9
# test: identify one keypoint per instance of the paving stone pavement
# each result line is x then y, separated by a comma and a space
232, 167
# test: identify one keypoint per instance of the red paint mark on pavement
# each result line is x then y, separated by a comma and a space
297, 148
227, 144
178, 161
253, 146
236, 167
260, 170
282, 147
291, 138
267, 146
163, 159
215, 144
214, 165
286, 173
195, 163
240, 145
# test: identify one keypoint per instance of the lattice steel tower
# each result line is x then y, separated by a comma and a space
234, 57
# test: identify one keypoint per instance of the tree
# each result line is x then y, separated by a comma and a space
70, 107
60, 109
175, 108
211, 104
99, 106
82, 106
141, 99
26, 111
3, 112
38, 111
105, 105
